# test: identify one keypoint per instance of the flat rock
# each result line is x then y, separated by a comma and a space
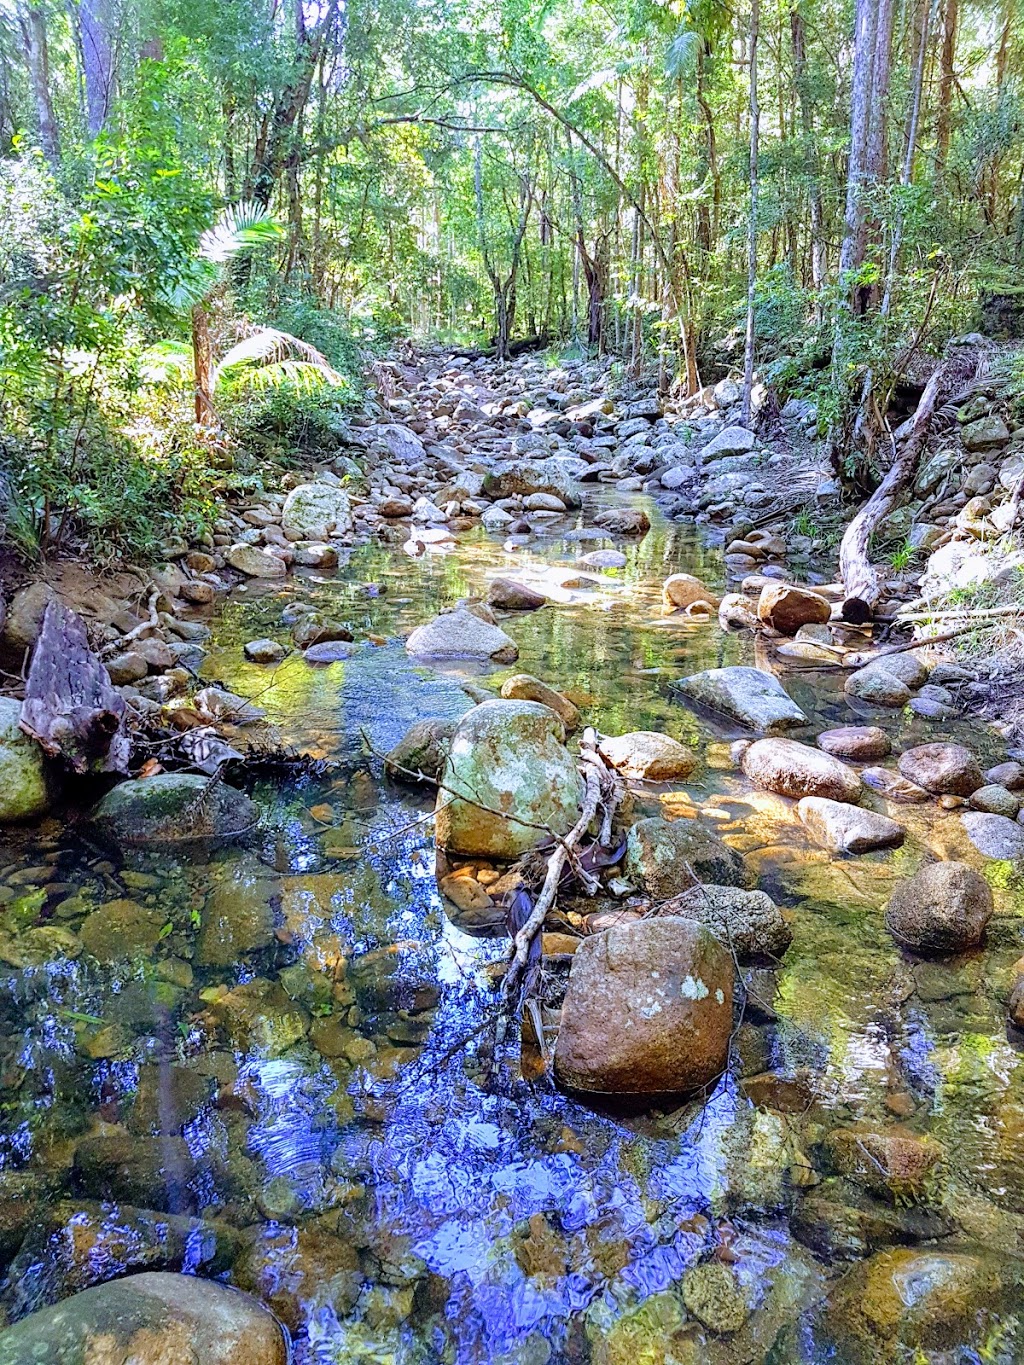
848, 829
460, 634
755, 699
789, 768
995, 836
893, 787
856, 743
525, 687
253, 562
648, 756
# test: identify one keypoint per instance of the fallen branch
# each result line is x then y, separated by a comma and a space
150, 624
952, 614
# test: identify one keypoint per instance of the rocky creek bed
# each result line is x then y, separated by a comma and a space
264, 1062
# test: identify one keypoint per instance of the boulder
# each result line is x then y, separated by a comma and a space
756, 700
460, 634
508, 595
253, 562
944, 908
848, 829
785, 607
877, 687
624, 521
893, 1163
996, 800
682, 590
649, 756
667, 857
315, 511
856, 743
732, 441
995, 836
893, 787
24, 784
173, 808
533, 476
25, 615
263, 651
648, 1011
238, 917
121, 929
943, 769
154, 1318
986, 433
510, 757
749, 923
525, 687
421, 753
789, 768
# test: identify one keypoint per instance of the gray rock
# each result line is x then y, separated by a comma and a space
756, 700
732, 441
460, 634
264, 651
173, 808
25, 615
749, 923
789, 768
253, 562
942, 909
667, 857
996, 836
944, 769
421, 753
848, 829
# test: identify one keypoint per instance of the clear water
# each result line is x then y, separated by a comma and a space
346, 1152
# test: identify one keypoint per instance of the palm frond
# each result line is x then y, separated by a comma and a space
287, 374
268, 346
166, 362
240, 227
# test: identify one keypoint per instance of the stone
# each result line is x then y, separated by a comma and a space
785, 607
893, 787
330, 652
995, 836
121, 929
312, 555
168, 1098
1009, 775
24, 779
681, 590
604, 559
648, 756
525, 687
508, 595
315, 511
893, 1163
848, 829
715, 1297
749, 923
127, 668
878, 687
153, 1172
395, 508
792, 769
944, 908
259, 1014
263, 651
986, 433
667, 857
253, 562
734, 440
154, 1318
856, 743
533, 476
624, 521
238, 917
648, 1011
25, 616
460, 634
943, 769
996, 800
755, 699
543, 502
510, 757
420, 755
173, 808
301, 1274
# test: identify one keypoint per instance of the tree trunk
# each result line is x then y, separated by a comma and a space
950, 20
860, 123
202, 365
755, 131
94, 21
32, 23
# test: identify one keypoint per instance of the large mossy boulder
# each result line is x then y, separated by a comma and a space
173, 808
314, 511
648, 1011
24, 788
507, 781
149, 1319
667, 857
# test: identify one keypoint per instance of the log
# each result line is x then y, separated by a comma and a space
71, 708
862, 581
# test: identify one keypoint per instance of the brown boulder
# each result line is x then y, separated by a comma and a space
648, 1011
785, 608
856, 743
682, 590
943, 769
508, 595
944, 908
793, 769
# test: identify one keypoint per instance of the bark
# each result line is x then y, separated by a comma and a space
860, 123
32, 23
97, 62
70, 706
944, 123
202, 366
755, 131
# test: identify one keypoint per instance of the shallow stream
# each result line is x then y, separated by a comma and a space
310, 1080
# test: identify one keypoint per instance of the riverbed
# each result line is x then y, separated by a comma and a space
306, 1098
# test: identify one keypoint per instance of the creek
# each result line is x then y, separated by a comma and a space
297, 1059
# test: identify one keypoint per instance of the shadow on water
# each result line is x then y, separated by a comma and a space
266, 1064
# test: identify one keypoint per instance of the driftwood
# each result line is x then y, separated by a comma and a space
70, 706
515, 348
862, 581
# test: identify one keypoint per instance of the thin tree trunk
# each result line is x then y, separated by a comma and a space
860, 122
202, 365
943, 126
755, 132
32, 22
94, 22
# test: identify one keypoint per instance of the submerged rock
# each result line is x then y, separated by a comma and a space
150, 1319
648, 1011
667, 857
301, 1273
747, 922
510, 758
893, 1163
848, 829
944, 908
421, 753
173, 808
24, 783
624, 521
789, 768
461, 634
755, 699
649, 756
893, 787
715, 1297
944, 769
